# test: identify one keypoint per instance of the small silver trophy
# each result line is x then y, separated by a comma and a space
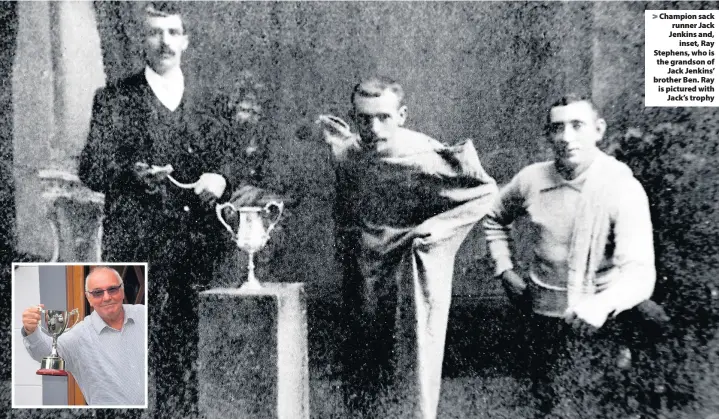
251, 235
55, 323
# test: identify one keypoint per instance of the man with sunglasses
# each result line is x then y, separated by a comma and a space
105, 352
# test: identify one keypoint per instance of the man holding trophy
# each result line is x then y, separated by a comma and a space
105, 352
405, 202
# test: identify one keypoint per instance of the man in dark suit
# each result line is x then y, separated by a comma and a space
139, 124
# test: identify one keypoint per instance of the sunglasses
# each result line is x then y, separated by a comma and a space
110, 291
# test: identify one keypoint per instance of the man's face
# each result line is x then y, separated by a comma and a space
574, 131
165, 41
378, 118
109, 304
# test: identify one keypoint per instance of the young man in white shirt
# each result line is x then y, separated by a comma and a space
591, 240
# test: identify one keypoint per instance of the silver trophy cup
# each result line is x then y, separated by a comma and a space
55, 323
252, 234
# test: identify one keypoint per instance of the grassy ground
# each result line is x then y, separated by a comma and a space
478, 380
480, 375
482, 378
492, 397
483, 398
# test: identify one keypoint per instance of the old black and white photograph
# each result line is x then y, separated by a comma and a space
360, 209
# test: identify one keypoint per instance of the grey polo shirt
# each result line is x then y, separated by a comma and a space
108, 364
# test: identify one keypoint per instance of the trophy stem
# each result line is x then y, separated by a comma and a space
252, 282
53, 353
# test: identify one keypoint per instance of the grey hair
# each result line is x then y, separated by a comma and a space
114, 271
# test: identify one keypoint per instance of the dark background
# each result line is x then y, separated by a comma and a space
472, 70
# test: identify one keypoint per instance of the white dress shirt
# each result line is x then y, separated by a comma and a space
168, 87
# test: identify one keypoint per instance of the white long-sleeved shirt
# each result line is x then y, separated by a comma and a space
168, 88
625, 277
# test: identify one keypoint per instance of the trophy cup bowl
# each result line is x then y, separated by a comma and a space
55, 323
252, 234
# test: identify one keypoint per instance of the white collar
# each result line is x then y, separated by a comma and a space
168, 87
173, 78
99, 324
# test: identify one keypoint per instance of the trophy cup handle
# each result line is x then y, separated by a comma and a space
75, 313
42, 321
280, 207
218, 210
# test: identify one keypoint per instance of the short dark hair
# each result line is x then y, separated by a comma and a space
574, 97
567, 99
163, 8
375, 86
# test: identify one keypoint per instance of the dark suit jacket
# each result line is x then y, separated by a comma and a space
156, 227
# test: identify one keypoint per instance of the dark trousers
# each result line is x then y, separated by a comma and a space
175, 357
581, 374
545, 348
174, 301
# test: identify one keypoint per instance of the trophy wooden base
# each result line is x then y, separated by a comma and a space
45, 371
